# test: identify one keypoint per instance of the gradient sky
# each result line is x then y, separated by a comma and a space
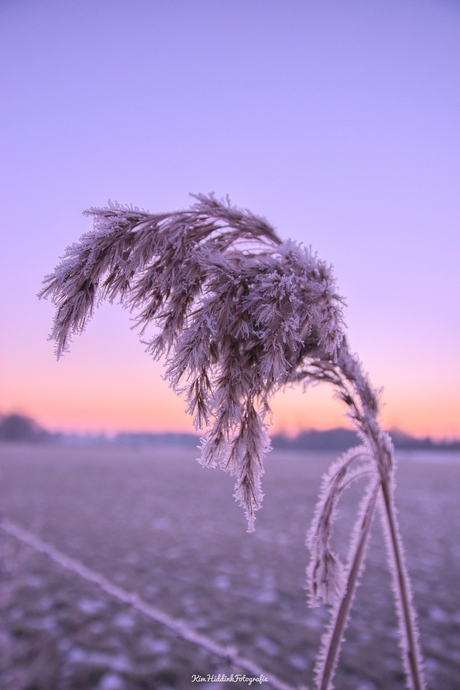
337, 121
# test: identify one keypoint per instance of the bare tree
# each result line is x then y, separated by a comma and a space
242, 314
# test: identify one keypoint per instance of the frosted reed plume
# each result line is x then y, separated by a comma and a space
242, 314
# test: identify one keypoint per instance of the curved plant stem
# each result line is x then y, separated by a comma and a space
342, 611
364, 409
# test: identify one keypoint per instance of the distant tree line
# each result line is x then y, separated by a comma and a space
339, 439
18, 427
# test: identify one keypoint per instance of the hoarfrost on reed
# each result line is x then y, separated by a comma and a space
242, 314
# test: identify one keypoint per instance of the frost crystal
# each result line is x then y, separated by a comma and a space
241, 314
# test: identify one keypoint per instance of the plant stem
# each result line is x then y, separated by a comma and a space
364, 414
341, 614
405, 608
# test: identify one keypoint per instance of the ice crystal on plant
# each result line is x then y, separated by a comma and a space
238, 310
241, 314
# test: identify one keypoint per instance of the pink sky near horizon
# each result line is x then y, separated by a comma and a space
339, 122
80, 393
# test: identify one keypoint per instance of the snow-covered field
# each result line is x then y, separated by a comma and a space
157, 524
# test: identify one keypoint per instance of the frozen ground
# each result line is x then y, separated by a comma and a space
158, 524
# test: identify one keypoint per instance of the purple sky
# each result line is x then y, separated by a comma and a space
338, 121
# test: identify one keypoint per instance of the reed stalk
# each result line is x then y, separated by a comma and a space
241, 314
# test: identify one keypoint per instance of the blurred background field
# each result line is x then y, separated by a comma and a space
154, 522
